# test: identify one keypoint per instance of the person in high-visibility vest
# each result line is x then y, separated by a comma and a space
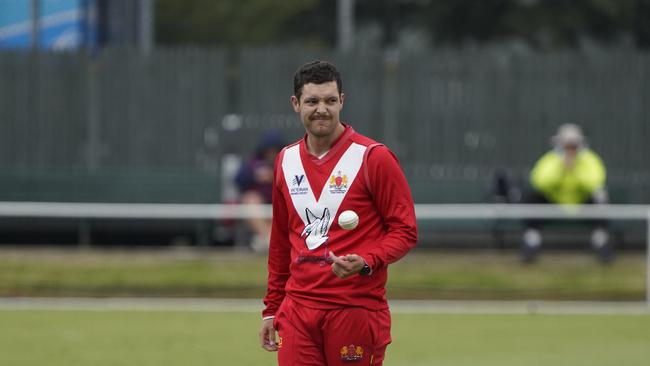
570, 174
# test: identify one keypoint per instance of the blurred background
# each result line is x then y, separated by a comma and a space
161, 101
164, 102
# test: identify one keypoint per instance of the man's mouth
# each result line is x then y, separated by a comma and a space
320, 118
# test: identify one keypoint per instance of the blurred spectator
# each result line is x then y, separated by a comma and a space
504, 190
569, 174
254, 181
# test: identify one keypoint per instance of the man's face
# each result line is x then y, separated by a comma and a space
319, 108
570, 153
570, 148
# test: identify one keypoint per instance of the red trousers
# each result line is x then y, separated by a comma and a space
336, 337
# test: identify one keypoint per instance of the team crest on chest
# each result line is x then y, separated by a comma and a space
338, 183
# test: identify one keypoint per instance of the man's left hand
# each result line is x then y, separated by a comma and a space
346, 265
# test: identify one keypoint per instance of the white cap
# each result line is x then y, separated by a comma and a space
568, 134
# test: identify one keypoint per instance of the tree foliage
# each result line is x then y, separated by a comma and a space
546, 24
227, 21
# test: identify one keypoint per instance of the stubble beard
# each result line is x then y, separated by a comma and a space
321, 128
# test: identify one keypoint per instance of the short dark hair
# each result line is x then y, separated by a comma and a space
317, 72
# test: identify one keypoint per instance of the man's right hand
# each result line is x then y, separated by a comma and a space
267, 336
569, 158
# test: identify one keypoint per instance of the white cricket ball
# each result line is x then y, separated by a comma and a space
348, 220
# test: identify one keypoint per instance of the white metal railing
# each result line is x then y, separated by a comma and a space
423, 212
132, 210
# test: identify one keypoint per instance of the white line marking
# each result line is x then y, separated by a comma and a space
256, 306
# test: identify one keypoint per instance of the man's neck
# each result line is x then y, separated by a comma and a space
319, 146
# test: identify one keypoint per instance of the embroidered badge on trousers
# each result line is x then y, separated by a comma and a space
351, 353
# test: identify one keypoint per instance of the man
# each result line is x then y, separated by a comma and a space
570, 174
254, 181
326, 285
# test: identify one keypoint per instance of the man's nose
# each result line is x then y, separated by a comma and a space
320, 108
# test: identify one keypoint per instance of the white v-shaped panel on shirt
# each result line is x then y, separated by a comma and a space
317, 215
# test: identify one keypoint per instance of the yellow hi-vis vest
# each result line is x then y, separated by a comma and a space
568, 186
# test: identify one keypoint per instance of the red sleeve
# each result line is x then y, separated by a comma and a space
392, 198
279, 249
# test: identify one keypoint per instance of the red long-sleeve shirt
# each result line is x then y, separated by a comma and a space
374, 187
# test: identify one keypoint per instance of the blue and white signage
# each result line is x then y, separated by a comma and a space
63, 24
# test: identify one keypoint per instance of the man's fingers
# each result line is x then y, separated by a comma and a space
338, 265
336, 272
344, 266
264, 340
334, 257
267, 336
269, 343
344, 259
340, 271
270, 348
353, 258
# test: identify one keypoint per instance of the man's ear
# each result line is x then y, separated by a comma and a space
342, 97
295, 103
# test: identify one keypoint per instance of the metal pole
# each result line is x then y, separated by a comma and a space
93, 139
345, 24
91, 39
389, 105
84, 236
36, 23
647, 264
145, 26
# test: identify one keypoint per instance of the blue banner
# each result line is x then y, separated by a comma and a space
63, 24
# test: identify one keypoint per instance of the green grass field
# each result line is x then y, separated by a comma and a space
420, 275
163, 337
98, 338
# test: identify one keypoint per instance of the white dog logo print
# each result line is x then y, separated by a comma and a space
316, 230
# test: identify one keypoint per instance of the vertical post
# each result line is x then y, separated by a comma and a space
145, 26
647, 264
203, 233
84, 235
93, 148
389, 97
345, 24
36, 24
90, 27
93, 142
